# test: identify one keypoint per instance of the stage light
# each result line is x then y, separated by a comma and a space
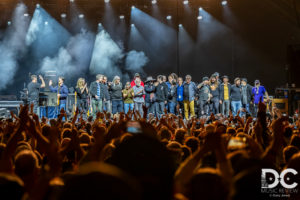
38, 5
9, 23
169, 17
46, 23
185, 2
180, 25
100, 24
26, 14
200, 9
199, 17
122, 16
132, 25
63, 15
71, 1
132, 7
81, 16
154, 1
224, 3
106, 1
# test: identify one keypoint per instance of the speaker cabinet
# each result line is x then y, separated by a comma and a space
281, 104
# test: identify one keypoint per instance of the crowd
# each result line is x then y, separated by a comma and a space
141, 156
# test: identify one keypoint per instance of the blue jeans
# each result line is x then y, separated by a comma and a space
225, 107
96, 106
247, 107
107, 106
62, 105
214, 105
172, 106
127, 106
138, 106
236, 106
117, 106
160, 107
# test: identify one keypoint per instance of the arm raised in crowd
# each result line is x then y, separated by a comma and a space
213, 142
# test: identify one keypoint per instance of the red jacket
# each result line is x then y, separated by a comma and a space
133, 83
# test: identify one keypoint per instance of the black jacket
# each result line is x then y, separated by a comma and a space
93, 90
116, 92
203, 92
235, 93
148, 90
106, 93
249, 93
215, 93
221, 89
172, 94
161, 92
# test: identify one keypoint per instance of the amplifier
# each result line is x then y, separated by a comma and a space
281, 104
48, 99
71, 106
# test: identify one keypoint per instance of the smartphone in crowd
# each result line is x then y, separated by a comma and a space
134, 127
237, 143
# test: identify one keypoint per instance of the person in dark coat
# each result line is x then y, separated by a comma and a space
150, 98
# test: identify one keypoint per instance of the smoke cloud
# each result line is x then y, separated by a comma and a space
73, 59
135, 61
108, 55
12, 46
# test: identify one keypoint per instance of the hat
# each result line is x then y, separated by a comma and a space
205, 78
256, 82
244, 79
216, 74
149, 79
136, 75
236, 79
225, 77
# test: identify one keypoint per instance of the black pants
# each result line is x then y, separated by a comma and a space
180, 108
82, 105
214, 105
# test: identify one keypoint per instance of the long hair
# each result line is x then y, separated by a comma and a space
214, 85
80, 83
115, 78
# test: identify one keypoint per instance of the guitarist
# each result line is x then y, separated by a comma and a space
62, 92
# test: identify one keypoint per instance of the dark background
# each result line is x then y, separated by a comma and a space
258, 39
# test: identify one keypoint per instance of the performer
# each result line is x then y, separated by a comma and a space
62, 92
246, 95
150, 99
225, 96
161, 94
33, 91
106, 95
180, 107
96, 92
258, 92
215, 93
116, 95
236, 96
128, 95
82, 94
189, 92
138, 99
204, 97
